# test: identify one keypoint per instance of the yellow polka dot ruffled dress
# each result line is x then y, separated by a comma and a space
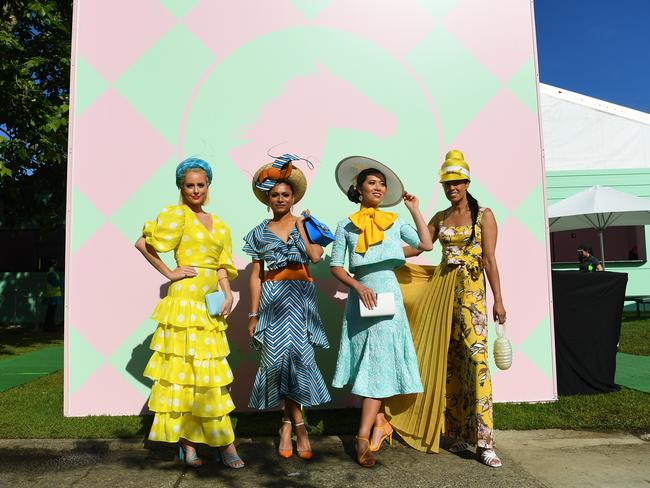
190, 395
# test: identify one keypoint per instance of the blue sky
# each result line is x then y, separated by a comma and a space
600, 48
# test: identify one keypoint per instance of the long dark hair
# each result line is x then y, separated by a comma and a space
353, 193
473, 208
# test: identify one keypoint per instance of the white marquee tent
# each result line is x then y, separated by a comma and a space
584, 133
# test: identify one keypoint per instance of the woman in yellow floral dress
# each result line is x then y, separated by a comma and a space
451, 323
190, 395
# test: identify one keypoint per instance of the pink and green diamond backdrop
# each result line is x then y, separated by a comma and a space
401, 81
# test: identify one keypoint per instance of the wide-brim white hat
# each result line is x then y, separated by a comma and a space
347, 170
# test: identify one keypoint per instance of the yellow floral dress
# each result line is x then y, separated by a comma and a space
190, 395
468, 413
446, 309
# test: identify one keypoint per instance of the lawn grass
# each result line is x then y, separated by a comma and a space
635, 334
35, 410
622, 410
20, 340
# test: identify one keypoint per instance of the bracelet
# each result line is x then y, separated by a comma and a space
253, 314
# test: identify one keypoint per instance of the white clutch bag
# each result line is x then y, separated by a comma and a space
385, 306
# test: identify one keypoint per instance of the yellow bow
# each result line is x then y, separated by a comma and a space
372, 223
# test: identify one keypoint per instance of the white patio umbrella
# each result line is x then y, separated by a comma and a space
598, 207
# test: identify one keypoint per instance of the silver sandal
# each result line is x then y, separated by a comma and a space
459, 446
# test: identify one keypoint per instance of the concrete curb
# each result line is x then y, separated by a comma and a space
548, 438
532, 459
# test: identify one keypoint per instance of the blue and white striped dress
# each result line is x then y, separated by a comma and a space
288, 328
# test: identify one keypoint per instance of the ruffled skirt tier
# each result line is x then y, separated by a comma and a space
190, 395
288, 330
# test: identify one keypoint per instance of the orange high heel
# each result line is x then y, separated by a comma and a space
387, 433
305, 454
284, 453
366, 458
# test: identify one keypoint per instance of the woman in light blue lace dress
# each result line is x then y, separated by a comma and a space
376, 354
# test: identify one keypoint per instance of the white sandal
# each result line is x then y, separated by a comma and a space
459, 446
490, 458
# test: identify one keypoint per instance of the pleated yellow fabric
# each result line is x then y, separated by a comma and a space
428, 293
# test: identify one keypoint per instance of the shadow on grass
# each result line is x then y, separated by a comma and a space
635, 334
20, 340
144, 421
340, 421
633, 317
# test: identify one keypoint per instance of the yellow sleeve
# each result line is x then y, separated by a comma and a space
225, 258
165, 233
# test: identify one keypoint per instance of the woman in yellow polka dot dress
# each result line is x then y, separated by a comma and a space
191, 375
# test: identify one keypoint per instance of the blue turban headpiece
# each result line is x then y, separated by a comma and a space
189, 164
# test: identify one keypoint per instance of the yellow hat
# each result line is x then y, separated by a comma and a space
454, 168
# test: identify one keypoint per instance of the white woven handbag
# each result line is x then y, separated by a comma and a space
502, 349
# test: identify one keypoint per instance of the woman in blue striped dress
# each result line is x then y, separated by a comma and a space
284, 321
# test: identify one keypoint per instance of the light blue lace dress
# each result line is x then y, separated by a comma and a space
376, 354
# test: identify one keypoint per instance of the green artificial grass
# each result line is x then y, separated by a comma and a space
21, 369
633, 371
20, 340
35, 410
635, 335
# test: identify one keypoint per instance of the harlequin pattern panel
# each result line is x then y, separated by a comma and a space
401, 81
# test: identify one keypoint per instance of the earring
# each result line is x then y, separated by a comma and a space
360, 197
268, 209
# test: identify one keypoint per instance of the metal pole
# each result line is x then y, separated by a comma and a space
15, 321
602, 246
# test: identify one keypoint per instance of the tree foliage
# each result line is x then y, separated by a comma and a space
35, 39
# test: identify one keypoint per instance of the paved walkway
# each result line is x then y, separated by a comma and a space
548, 458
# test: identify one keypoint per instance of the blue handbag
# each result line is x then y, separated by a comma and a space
214, 301
317, 232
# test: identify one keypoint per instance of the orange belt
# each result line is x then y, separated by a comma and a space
293, 271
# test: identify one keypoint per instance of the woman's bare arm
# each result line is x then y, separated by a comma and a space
224, 286
489, 242
255, 289
151, 255
432, 226
314, 251
367, 295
